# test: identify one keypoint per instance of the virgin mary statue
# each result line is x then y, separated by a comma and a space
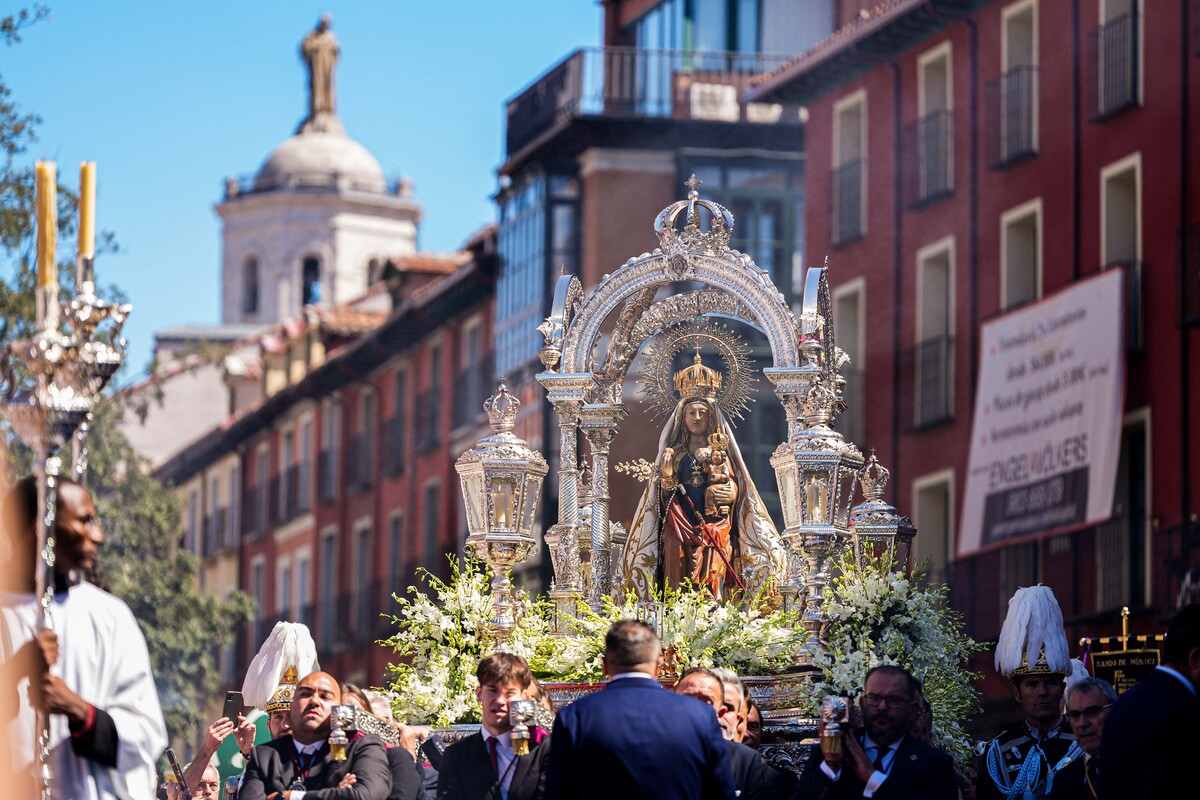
700, 518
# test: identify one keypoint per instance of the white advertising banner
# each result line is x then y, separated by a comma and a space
1046, 434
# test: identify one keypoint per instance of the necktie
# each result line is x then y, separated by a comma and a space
880, 756
492, 742
1093, 775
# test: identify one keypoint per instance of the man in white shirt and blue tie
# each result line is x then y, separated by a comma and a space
883, 761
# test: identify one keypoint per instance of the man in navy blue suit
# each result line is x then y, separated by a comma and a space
634, 739
1149, 743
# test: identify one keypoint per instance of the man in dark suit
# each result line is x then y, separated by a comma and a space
299, 765
1149, 744
1089, 701
884, 762
633, 739
744, 762
484, 766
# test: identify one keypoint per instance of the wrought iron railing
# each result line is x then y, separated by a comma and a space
1115, 67
254, 513
429, 414
274, 501
315, 181
1135, 326
289, 499
1010, 134
928, 158
393, 445
931, 367
1189, 277
326, 477
846, 206
630, 82
360, 463
209, 540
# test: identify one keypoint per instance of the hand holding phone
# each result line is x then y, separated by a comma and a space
233, 706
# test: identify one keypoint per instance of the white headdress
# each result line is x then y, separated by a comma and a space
287, 655
1032, 639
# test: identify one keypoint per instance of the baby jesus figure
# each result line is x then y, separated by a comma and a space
716, 466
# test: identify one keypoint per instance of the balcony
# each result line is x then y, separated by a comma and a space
931, 367
1135, 326
210, 541
254, 513
1114, 63
626, 82
275, 509
429, 417
393, 445
472, 386
360, 463
846, 183
928, 158
1189, 278
326, 477
1010, 106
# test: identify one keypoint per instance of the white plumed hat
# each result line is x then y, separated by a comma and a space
287, 655
1032, 639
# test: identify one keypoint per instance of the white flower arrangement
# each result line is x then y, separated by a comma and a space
441, 636
880, 616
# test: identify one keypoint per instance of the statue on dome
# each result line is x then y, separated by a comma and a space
320, 52
700, 518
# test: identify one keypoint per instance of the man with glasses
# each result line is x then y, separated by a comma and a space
207, 788
1088, 702
881, 759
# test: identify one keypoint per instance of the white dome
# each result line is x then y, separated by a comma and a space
314, 159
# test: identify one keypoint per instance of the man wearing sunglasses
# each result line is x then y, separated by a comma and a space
882, 760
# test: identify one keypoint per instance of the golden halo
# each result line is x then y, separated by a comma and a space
657, 380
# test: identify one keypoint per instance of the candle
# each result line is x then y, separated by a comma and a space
47, 225
87, 209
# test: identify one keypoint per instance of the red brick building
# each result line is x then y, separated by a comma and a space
345, 472
964, 158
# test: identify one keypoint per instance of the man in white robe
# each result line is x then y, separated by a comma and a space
106, 725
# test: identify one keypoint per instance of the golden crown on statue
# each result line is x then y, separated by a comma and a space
697, 380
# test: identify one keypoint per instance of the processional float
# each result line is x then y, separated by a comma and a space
655, 303
53, 381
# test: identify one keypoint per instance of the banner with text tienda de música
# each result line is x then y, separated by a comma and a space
1046, 435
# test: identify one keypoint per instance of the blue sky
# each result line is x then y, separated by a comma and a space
169, 98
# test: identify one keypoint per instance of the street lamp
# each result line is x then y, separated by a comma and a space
501, 478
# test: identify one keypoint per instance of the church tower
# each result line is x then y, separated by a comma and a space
318, 221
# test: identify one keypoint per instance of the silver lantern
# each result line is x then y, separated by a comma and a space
501, 479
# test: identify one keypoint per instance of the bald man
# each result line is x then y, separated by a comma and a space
298, 765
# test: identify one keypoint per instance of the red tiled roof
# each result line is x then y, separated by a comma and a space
344, 321
440, 263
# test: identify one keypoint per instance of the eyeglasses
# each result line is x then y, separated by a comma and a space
893, 701
1089, 713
